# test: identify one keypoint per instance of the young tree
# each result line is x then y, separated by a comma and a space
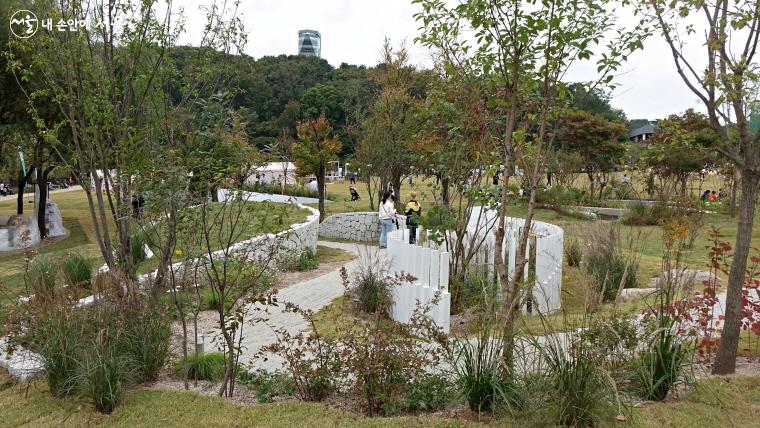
316, 147
524, 50
391, 122
109, 85
726, 85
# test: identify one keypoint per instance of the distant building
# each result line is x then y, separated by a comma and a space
642, 133
309, 43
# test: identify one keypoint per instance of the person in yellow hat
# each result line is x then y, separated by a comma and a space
413, 212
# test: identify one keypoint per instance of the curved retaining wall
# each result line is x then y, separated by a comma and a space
357, 226
25, 365
259, 248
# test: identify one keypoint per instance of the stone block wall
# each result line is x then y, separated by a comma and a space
356, 226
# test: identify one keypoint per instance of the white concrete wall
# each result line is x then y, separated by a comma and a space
427, 288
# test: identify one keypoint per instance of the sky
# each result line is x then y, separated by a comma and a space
353, 32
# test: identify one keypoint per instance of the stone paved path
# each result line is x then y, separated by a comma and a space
313, 294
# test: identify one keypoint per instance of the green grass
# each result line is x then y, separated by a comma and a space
716, 402
153, 408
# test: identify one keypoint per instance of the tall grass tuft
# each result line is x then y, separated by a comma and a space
58, 341
370, 287
478, 368
43, 272
580, 390
77, 270
104, 373
145, 342
573, 253
661, 366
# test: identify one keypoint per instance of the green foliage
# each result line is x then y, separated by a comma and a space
597, 140
561, 195
208, 366
77, 270
43, 273
104, 374
58, 339
474, 288
100, 349
573, 253
608, 264
299, 260
479, 369
370, 287
683, 144
640, 214
145, 342
578, 388
267, 385
431, 393
661, 366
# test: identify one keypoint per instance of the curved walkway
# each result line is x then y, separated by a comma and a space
260, 321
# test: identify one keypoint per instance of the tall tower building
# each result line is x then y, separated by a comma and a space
309, 43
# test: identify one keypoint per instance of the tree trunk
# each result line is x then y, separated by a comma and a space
22, 179
321, 191
734, 189
445, 196
42, 185
396, 182
725, 359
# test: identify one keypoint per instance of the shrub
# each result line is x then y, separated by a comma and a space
473, 289
573, 253
77, 270
138, 247
267, 385
560, 195
99, 349
43, 272
661, 366
431, 393
211, 299
208, 366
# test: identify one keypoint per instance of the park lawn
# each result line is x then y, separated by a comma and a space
715, 402
157, 408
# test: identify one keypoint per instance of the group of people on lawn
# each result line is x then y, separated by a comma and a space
711, 196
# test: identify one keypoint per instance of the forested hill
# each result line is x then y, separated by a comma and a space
272, 94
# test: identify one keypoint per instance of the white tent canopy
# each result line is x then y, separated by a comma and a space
273, 173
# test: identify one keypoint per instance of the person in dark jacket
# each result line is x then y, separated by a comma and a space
413, 211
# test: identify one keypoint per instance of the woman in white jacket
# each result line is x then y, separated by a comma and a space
387, 215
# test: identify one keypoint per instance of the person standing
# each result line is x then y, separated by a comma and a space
413, 212
387, 215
